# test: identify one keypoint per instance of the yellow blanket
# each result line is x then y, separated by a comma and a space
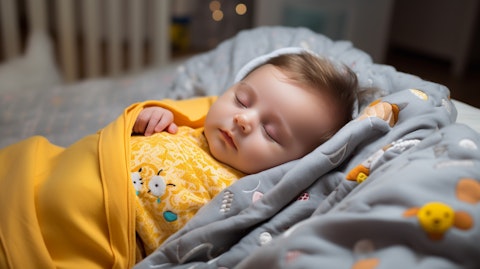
74, 207
174, 176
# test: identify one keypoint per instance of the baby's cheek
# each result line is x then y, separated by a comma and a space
270, 157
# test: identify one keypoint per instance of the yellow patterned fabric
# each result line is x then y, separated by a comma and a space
74, 207
174, 175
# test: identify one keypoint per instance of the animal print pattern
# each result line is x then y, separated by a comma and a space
174, 176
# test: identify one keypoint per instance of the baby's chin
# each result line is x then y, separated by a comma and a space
234, 165
245, 168
219, 158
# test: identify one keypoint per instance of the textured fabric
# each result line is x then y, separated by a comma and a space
68, 207
74, 207
66, 113
174, 175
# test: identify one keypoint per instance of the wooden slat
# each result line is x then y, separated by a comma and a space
91, 25
123, 30
9, 28
160, 32
37, 15
136, 33
113, 34
67, 38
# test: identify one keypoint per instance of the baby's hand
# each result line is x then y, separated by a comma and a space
154, 120
382, 110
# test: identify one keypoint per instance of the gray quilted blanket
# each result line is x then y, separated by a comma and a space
374, 196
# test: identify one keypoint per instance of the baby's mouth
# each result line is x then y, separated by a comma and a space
227, 136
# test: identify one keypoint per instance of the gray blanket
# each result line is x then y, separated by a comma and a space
373, 196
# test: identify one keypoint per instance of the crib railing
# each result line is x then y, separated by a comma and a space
91, 37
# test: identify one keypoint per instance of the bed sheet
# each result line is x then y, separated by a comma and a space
66, 112
468, 115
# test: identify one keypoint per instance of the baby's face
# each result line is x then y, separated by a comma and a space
266, 120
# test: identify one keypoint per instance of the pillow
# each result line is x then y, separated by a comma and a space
468, 115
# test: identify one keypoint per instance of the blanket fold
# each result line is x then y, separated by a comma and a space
69, 207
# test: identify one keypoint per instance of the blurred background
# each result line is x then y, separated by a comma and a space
438, 40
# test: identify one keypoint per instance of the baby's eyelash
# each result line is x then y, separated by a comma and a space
268, 135
239, 102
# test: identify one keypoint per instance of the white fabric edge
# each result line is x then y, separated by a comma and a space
467, 114
247, 68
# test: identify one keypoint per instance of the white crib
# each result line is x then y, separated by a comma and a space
91, 37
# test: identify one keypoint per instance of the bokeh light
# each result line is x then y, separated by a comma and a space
215, 5
217, 15
241, 9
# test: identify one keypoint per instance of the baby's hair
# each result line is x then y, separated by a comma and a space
339, 81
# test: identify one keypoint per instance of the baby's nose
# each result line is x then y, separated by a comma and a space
244, 121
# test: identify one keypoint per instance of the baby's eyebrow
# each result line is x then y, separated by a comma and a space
248, 89
245, 85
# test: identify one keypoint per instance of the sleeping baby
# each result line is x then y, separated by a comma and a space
77, 208
282, 106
